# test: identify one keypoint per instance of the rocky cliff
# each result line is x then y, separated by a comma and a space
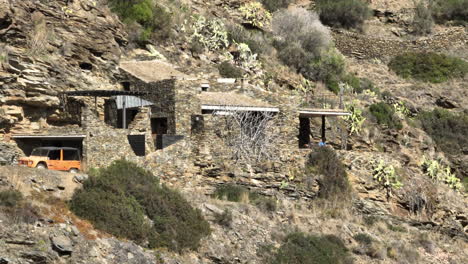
48, 47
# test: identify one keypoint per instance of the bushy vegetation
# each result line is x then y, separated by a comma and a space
386, 175
10, 198
117, 199
304, 44
227, 70
255, 14
428, 67
273, 5
17, 209
385, 115
446, 10
422, 19
299, 248
355, 120
447, 129
343, 13
155, 20
363, 238
257, 41
325, 161
237, 193
209, 33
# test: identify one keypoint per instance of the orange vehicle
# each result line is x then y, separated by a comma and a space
53, 158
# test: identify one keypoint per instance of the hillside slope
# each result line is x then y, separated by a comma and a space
50, 47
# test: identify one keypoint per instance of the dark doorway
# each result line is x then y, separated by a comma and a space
126, 86
158, 129
137, 142
110, 113
198, 124
304, 132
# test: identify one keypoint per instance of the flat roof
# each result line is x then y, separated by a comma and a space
230, 99
70, 137
103, 93
56, 148
151, 71
228, 108
323, 112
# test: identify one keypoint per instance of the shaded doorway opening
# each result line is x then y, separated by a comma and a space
304, 132
198, 124
158, 129
137, 142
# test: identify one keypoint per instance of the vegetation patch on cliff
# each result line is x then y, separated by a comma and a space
129, 202
385, 115
343, 13
334, 182
299, 248
428, 67
448, 129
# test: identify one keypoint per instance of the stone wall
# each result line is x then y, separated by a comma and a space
162, 94
104, 144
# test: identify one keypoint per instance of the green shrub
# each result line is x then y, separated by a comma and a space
236, 193
363, 238
227, 70
422, 19
343, 13
299, 248
273, 5
304, 44
263, 202
324, 161
10, 198
118, 198
255, 14
428, 67
385, 115
111, 212
209, 32
257, 41
156, 22
231, 192
397, 228
447, 129
445, 10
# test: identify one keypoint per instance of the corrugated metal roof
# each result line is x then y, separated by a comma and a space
130, 101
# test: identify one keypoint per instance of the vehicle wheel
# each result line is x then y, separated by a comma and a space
73, 170
41, 166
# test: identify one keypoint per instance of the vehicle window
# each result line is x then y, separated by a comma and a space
54, 154
39, 152
70, 155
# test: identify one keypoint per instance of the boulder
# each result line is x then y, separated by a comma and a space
62, 244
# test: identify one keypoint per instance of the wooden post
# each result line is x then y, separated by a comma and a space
324, 139
124, 112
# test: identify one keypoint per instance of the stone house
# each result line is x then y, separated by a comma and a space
155, 106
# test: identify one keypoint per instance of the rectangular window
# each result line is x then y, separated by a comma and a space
69, 154
54, 154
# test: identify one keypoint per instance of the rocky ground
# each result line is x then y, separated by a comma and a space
80, 46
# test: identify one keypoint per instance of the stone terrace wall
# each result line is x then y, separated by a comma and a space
104, 144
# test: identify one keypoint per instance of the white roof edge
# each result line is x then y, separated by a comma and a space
47, 136
240, 108
326, 113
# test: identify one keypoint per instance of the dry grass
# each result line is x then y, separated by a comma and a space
38, 38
